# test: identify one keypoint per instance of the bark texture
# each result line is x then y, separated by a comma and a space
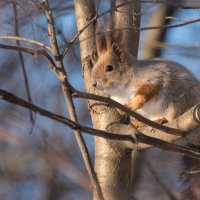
125, 17
112, 162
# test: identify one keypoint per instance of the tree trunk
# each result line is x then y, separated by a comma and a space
112, 162
126, 17
150, 49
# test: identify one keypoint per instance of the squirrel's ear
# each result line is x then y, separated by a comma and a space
121, 54
100, 43
100, 38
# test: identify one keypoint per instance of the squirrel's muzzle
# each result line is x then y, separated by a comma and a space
93, 83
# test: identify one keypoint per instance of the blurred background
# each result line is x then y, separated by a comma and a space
39, 158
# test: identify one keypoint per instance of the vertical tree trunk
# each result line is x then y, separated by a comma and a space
157, 35
126, 17
112, 163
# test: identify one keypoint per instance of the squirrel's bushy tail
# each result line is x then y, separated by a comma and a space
191, 176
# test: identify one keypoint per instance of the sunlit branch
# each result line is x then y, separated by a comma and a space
31, 51
136, 29
136, 137
78, 94
188, 22
90, 22
25, 40
62, 75
170, 26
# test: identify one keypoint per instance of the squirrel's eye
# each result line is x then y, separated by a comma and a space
109, 68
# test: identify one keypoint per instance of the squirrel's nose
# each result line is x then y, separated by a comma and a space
94, 83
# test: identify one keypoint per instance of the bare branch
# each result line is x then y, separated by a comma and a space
173, 131
183, 4
135, 28
90, 22
171, 26
62, 75
187, 22
23, 64
176, 129
31, 51
135, 137
26, 40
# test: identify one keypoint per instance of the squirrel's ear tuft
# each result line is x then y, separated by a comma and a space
100, 43
121, 54
100, 39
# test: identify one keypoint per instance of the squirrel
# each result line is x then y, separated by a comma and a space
159, 89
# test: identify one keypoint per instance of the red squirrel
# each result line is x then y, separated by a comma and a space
158, 89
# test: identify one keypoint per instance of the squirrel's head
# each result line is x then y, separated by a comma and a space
112, 67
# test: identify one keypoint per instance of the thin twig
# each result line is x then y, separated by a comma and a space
30, 41
26, 83
62, 75
136, 29
175, 129
31, 51
176, 18
172, 3
98, 4
139, 29
170, 26
140, 138
78, 94
90, 22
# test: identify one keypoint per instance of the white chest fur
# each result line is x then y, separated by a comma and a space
123, 95
152, 109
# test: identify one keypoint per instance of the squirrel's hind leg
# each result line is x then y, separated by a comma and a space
120, 112
139, 124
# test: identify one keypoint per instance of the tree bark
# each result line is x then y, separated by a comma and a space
112, 162
129, 16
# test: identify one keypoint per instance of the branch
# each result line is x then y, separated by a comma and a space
177, 128
62, 75
90, 22
173, 131
113, 9
26, 40
177, 3
31, 51
135, 29
57, 71
170, 26
27, 88
77, 94
137, 138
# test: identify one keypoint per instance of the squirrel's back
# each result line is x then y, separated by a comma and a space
178, 88
184, 90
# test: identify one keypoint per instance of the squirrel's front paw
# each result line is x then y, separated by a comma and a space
161, 121
137, 103
137, 124
120, 112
